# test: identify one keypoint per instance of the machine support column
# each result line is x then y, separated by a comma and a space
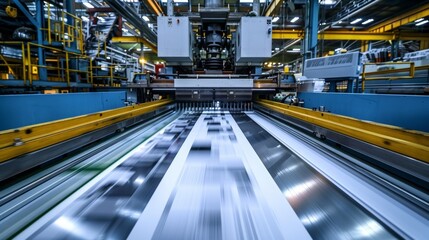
311, 30
74, 63
395, 49
365, 45
424, 45
43, 74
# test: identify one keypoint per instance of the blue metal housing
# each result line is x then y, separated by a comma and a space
406, 111
23, 110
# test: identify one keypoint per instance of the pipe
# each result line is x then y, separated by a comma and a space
170, 8
256, 7
131, 15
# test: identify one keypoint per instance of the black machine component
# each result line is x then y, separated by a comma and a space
213, 39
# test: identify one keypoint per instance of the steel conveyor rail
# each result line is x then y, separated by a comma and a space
315, 178
213, 175
409, 143
26, 147
401, 152
22, 202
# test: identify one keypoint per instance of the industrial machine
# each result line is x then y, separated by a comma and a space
208, 154
220, 44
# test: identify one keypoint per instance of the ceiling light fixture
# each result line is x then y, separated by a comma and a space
85, 19
275, 19
328, 2
419, 20
88, 5
294, 19
356, 21
368, 21
422, 22
145, 18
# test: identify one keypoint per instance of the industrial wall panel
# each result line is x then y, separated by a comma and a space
254, 39
406, 111
175, 38
23, 110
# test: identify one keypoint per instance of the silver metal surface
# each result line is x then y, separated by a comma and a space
333, 198
110, 205
25, 200
326, 212
217, 188
202, 179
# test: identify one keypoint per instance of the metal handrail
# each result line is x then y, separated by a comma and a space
22, 45
67, 57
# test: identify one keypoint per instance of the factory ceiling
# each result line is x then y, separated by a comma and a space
288, 15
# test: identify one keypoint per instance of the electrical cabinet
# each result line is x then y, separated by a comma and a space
253, 39
175, 38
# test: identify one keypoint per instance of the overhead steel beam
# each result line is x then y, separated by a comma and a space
135, 39
348, 35
155, 7
273, 7
24, 10
130, 14
402, 19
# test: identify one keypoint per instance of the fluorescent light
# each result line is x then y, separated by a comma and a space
88, 5
356, 21
275, 19
294, 19
295, 50
124, 30
328, 2
138, 49
368, 21
422, 22
85, 19
146, 18
419, 20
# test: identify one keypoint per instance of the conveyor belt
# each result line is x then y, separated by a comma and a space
213, 178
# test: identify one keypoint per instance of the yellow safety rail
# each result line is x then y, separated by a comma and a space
366, 75
16, 142
60, 73
19, 71
64, 32
410, 143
